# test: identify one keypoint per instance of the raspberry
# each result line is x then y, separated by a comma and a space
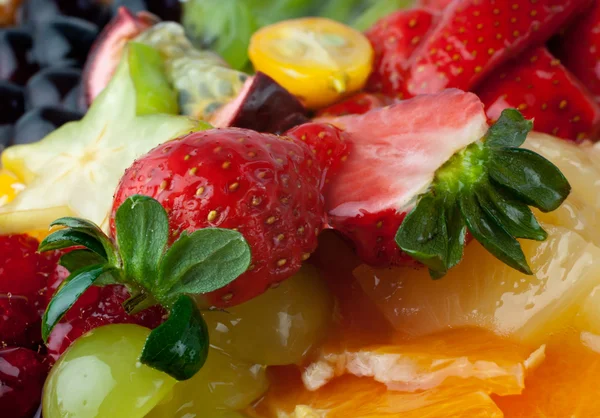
22, 376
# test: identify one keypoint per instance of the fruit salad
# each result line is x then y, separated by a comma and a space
299, 208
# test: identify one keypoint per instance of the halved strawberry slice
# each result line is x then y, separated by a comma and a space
424, 171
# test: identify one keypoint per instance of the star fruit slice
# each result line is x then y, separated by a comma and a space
75, 170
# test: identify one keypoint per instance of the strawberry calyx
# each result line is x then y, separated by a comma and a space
485, 189
154, 273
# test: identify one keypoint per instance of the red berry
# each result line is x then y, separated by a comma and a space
267, 187
23, 278
22, 376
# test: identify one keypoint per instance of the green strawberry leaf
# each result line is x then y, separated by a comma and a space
66, 238
510, 130
532, 178
77, 259
153, 91
68, 293
178, 347
142, 233
491, 235
203, 261
487, 189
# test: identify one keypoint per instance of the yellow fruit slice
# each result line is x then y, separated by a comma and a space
466, 360
316, 59
355, 397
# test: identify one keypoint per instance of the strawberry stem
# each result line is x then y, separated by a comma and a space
486, 188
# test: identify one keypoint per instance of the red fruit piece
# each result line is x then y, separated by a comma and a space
356, 105
474, 37
394, 39
395, 153
22, 376
105, 54
435, 4
98, 306
23, 278
579, 49
542, 89
265, 186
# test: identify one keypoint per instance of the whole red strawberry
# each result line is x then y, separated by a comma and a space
474, 37
579, 49
269, 188
394, 39
22, 376
23, 278
544, 90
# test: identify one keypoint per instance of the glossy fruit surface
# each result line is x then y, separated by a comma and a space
64, 41
293, 317
9, 186
100, 377
22, 375
39, 122
54, 87
16, 61
316, 59
224, 384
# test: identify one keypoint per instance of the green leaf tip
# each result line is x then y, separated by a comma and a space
154, 272
487, 189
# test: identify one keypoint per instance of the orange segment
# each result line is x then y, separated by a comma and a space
354, 397
466, 360
565, 385
317, 59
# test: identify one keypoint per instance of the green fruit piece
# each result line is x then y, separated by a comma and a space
202, 79
75, 170
153, 92
224, 385
293, 318
100, 376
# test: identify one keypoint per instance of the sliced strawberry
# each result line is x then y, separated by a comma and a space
106, 52
22, 376
544, 90
394, 39
424, 170
356, 105
579, 49
475, 36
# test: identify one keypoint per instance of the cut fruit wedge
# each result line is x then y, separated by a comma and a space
354, 397
74, 171
469, 360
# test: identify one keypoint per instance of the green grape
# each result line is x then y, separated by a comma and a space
280, 326
99, 376
221, 387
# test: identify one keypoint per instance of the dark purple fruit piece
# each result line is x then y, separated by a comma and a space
37, 123
64, 41
106, 51
262, 105
39, 12
11, 103
54, 87
16, 61
22, 375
